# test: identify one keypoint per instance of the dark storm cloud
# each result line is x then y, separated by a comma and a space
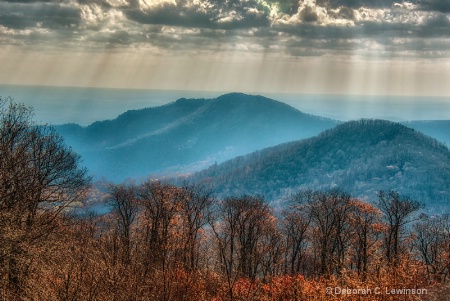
193, 16
27, 1
436, 27
395, 39
47, 15
99, 2
308, 14
103, 3
436, 5
356, 3
171, 15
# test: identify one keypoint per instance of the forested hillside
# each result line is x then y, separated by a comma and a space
361, 157
164, 242
187, 135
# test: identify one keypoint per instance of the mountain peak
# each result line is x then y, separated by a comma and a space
189, 134
241, 97
234, 94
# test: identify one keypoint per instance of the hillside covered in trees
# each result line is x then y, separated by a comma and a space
165, 242
361, 157
187, 135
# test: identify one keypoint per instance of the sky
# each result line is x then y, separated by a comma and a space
360, 47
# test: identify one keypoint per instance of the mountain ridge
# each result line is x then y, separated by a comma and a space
361, 157
188, 134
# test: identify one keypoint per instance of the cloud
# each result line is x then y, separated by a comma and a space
344, 13
27, 1
37, 15
356, 3
200, 15
308, 14
297, 28
436, 5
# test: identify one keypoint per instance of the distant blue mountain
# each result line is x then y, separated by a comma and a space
188, 135
439, 129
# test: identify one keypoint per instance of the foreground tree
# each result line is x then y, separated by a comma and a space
160, 232
39, 178
366, 222
195, 212
124, 205
433, 245
398, 212
329, 213
244, 232
295, 227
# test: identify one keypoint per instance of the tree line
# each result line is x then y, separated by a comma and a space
166, 242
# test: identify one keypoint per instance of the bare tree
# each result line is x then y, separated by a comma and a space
364, 220
397, 211
433, 244
329, 214
161, 203
240, 233
295, 227
195, 210
39, 178
123, 202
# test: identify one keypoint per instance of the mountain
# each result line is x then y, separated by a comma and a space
187, 135
439, 129
360, 157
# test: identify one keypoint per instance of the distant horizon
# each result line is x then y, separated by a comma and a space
261, 92
85, 105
